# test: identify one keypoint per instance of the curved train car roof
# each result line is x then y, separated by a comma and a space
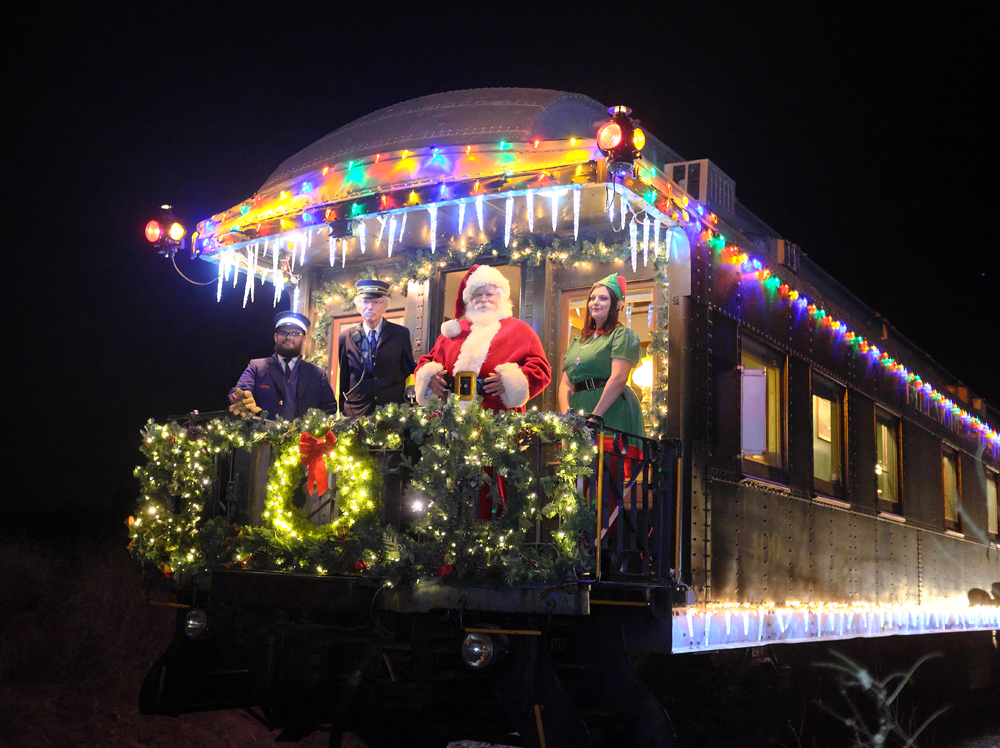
479, 116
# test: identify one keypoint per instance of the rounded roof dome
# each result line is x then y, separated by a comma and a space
471, 117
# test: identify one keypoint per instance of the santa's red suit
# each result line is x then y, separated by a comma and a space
506, 346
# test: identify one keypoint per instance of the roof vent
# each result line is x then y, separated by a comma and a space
706, 183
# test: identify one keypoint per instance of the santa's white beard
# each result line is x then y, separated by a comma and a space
488, 317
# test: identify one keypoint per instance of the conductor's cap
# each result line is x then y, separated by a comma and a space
291, 319
372, 289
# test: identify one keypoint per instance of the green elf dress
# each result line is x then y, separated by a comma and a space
591, 359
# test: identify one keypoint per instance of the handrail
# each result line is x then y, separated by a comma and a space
636, 509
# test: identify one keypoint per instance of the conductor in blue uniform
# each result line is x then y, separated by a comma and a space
375, 358
285, 384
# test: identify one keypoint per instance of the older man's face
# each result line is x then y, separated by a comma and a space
372, 309
486, 299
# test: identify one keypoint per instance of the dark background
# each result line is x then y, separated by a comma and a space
860, 132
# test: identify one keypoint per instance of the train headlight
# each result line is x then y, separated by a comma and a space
195, 623
478, 652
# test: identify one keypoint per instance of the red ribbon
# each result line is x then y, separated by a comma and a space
632, 453
311, 452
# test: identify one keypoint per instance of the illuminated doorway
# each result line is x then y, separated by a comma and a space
639, 314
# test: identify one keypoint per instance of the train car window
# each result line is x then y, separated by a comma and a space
952, 481
887, 462
828, 437
992, 484
764, 401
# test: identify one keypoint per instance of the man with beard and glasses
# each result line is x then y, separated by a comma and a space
284, 384
500, 353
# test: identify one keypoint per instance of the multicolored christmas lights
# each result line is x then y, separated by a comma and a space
752, 268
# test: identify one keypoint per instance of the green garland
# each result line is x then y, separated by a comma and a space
421, 265
172, 533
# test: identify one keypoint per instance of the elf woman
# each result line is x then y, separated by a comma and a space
598, 363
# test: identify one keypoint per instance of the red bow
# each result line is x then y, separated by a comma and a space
444, 571
311, 452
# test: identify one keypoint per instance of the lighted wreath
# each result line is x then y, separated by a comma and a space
349, 459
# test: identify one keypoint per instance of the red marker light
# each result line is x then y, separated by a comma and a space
153, 232
609, 136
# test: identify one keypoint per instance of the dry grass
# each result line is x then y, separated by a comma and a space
76, 640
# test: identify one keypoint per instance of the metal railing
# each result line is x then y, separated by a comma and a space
634, 493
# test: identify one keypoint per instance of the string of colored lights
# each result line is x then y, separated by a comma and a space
294, 206
314, 198
753, 268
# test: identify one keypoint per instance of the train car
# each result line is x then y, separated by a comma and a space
807, 474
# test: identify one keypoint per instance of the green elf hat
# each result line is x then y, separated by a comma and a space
616, 283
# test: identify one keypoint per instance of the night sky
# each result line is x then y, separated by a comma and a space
861, 133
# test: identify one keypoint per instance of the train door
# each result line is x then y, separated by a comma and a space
394, 314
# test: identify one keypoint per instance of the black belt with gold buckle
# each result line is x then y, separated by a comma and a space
589, 384
480, 386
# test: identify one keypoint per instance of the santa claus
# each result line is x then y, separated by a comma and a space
503, 353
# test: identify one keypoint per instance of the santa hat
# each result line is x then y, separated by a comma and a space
477, 277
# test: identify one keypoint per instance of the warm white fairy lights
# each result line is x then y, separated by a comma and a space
461, 446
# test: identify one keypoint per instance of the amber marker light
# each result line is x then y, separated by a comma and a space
176, 231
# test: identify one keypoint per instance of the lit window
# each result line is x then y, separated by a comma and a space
762, 411
991, 504
887, 461
952, 479
827, 433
